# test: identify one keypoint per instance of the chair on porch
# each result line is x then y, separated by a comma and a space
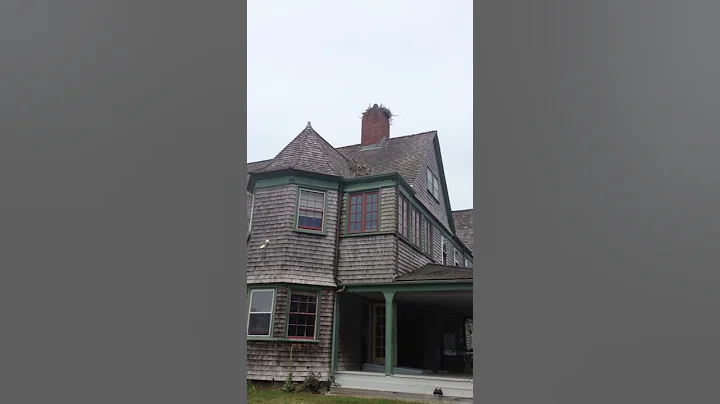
468, 345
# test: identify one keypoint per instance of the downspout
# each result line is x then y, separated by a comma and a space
336, 326
397, 226
338, 282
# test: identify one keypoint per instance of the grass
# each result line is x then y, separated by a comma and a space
281, 397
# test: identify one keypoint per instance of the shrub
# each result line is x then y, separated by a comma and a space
288, 386
312, 384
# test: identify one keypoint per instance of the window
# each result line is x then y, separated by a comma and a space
302, 315
467, 263
428, 238
433, 184
415, 229
311, 209
403, 217
445, 252
363, 212
457, 258
260, 312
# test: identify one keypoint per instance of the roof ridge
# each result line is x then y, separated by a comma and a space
393, 138
461, 210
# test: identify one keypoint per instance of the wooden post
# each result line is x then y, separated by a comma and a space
336, 324
389, 332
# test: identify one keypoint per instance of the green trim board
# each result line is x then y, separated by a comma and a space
441, 169
290, 341
426, 286
368, 234
369, 185
314, 183
284, 176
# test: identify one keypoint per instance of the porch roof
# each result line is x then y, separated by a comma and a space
437, 273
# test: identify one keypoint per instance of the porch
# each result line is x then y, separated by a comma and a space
411, 336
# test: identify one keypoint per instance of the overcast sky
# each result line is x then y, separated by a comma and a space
326, 61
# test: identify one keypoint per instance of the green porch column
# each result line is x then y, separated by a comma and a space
335, 325
389, 332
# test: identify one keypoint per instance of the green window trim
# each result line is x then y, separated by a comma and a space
273, 307
304, 290
363, 222
307, 229
414, 203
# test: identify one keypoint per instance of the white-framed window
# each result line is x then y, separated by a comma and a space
433, 184
457, 258
311, 210
260, 312
467, 263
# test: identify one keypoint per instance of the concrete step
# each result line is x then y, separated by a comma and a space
419, 398
425, 385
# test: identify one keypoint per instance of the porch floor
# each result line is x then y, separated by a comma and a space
452, 386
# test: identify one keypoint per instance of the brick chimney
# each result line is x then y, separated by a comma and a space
375, 126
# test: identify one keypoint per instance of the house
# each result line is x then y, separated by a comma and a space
347, 244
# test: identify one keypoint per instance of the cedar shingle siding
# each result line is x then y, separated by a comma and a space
270, 360
293, 258
290, 256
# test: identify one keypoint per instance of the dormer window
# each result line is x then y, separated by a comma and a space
311, 210
433, 184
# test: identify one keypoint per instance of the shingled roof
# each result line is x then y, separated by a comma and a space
310, 152
404, 155
438, 273
464, 226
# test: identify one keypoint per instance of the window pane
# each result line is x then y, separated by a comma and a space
292, 331
259, 324
293, 307
294, 319
310, 331
261, 300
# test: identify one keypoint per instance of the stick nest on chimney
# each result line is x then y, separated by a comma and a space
383, 108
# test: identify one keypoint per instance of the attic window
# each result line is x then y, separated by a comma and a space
311, 210
433, 184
